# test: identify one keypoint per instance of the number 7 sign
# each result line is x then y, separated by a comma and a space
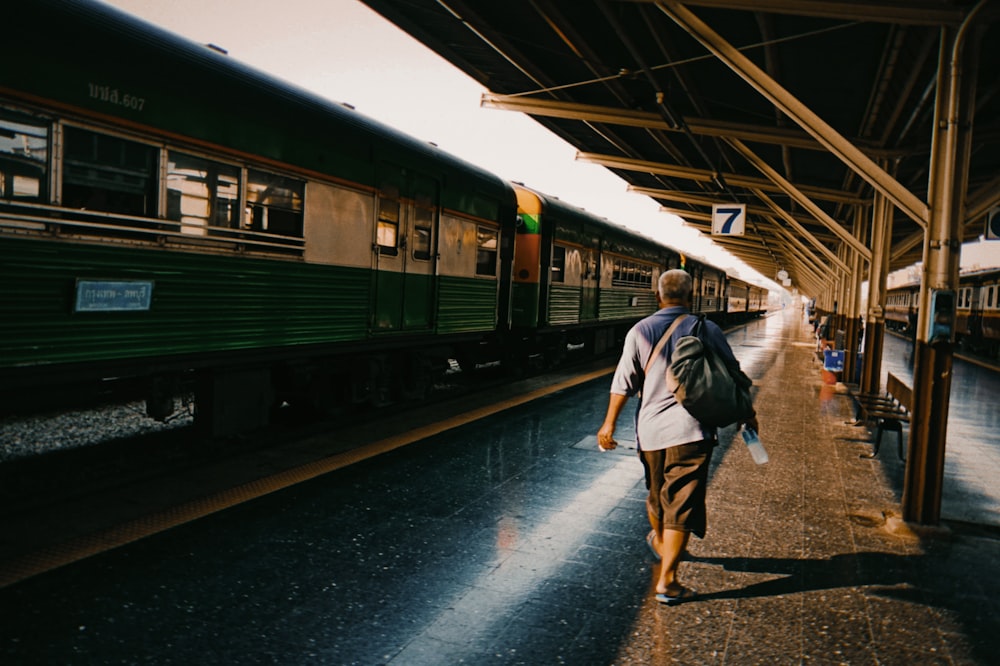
728, 219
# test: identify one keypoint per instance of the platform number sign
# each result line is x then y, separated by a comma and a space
993, 224
728, 219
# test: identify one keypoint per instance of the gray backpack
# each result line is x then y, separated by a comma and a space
712, 392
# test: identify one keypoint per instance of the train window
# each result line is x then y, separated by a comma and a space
109, 174
422, 243
558, 264
202, 193
486, 251
385, 236
274, 204
423, 223
387, 226
631, 274
989, 298
24, 158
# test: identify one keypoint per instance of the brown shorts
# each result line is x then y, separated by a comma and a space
676, 478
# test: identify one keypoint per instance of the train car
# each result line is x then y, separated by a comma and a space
977, 325
901, 306
578, 281
172, 222
977, 312
170, 217
709, 289
737, 297
757, 301
743, 302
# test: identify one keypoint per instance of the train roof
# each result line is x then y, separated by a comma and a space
570, 211
979, 272
964, 274
64, 48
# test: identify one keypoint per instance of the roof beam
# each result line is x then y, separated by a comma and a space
843, 149
899, 250
697, 200
805, 266
786, 216
801, 198
647, 119
744, 243
914, 12
804, 253
707, 176
983, 200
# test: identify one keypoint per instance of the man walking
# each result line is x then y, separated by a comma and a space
674, 447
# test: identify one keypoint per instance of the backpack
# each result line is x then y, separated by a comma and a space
701, 381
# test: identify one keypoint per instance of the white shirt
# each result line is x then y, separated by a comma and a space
661, 421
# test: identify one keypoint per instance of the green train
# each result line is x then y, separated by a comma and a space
172, 221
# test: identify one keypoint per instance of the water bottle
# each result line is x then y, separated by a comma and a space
757, 451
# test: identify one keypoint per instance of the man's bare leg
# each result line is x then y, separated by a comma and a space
672, 545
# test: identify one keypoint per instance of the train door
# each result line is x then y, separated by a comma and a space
405, 237
695, 290
418, 280
588, 287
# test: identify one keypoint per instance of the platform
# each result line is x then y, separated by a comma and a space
513, 540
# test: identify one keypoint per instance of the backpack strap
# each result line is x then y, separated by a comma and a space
659, 345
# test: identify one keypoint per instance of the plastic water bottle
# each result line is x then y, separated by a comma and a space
757, 451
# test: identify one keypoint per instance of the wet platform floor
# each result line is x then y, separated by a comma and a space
512, 540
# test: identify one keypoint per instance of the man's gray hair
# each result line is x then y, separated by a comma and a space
675, 284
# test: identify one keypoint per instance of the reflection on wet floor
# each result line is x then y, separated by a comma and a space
972, 452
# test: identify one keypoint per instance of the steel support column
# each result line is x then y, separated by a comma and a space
871, 374
950, 150
853, 305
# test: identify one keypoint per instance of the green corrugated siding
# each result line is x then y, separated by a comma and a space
564, 305
199, 303
466, 305
588, 304
617, 304
418, 294
524, 305
403, 301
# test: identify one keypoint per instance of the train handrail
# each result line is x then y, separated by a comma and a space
56, 219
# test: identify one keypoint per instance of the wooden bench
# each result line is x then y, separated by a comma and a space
889, 410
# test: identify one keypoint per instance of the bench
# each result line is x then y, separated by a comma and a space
889, 410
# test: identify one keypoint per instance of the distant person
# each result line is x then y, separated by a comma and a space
675, 449
823, 333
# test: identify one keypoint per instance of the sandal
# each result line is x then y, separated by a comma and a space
685, 594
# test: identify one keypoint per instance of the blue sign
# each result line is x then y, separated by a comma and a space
113, 295
833, 360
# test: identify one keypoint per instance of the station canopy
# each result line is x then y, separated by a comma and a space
800, 110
